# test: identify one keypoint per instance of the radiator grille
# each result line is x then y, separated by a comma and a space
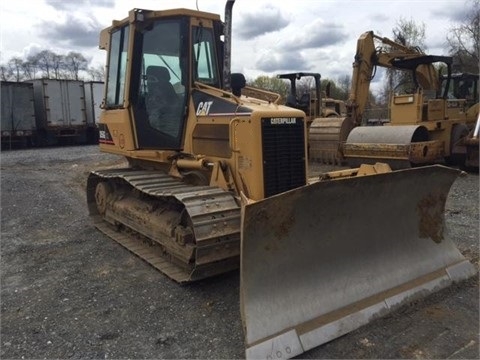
283, 154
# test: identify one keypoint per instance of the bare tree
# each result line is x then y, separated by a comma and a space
45, 61
58, 64
97, 73
407, 33
5, 73
15, 65
30, 68
74, 62
463, 40
305, 85
344, 86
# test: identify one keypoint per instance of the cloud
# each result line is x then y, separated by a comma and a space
316, 35
454, 14
69, 5
277, 62
379, 17
436, 45
260, 22
73, 32
31, 49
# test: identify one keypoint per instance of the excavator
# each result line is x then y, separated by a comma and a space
425, 126
217, 181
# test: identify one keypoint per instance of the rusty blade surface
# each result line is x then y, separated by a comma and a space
322, 260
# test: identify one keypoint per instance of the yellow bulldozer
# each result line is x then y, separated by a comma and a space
425, 125
218, 181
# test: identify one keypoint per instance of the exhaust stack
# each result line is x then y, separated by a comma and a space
227, 55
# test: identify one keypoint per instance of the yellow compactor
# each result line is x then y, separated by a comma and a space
217, 180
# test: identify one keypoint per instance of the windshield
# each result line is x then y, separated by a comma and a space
204, 57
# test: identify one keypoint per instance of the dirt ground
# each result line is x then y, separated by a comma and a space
67, 291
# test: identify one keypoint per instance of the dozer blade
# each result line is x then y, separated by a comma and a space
322, 260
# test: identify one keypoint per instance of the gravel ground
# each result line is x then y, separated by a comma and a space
67, 291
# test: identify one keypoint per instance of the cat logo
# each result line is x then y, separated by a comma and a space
204, 108
283, 121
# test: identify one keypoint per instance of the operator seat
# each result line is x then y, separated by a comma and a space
158, 83
291, 100
162, 102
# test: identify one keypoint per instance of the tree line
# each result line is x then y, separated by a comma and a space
51, 65
463, 45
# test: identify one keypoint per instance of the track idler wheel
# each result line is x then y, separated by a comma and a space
102, 192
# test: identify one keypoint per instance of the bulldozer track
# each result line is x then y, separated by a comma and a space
201, 237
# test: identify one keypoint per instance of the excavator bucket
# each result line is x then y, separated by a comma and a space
322, 260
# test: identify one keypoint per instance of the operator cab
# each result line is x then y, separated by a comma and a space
155, 58
464, 86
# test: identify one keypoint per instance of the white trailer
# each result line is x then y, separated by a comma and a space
94, 93
60, 111
17, 114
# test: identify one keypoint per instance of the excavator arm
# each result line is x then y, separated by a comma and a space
373, 51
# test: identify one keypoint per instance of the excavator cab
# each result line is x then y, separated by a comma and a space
314, 103
421, 98
311, 106
463, 89
464, 86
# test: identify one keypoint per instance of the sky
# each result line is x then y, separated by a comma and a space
269, 36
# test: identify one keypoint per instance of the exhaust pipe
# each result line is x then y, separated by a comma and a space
227, 48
